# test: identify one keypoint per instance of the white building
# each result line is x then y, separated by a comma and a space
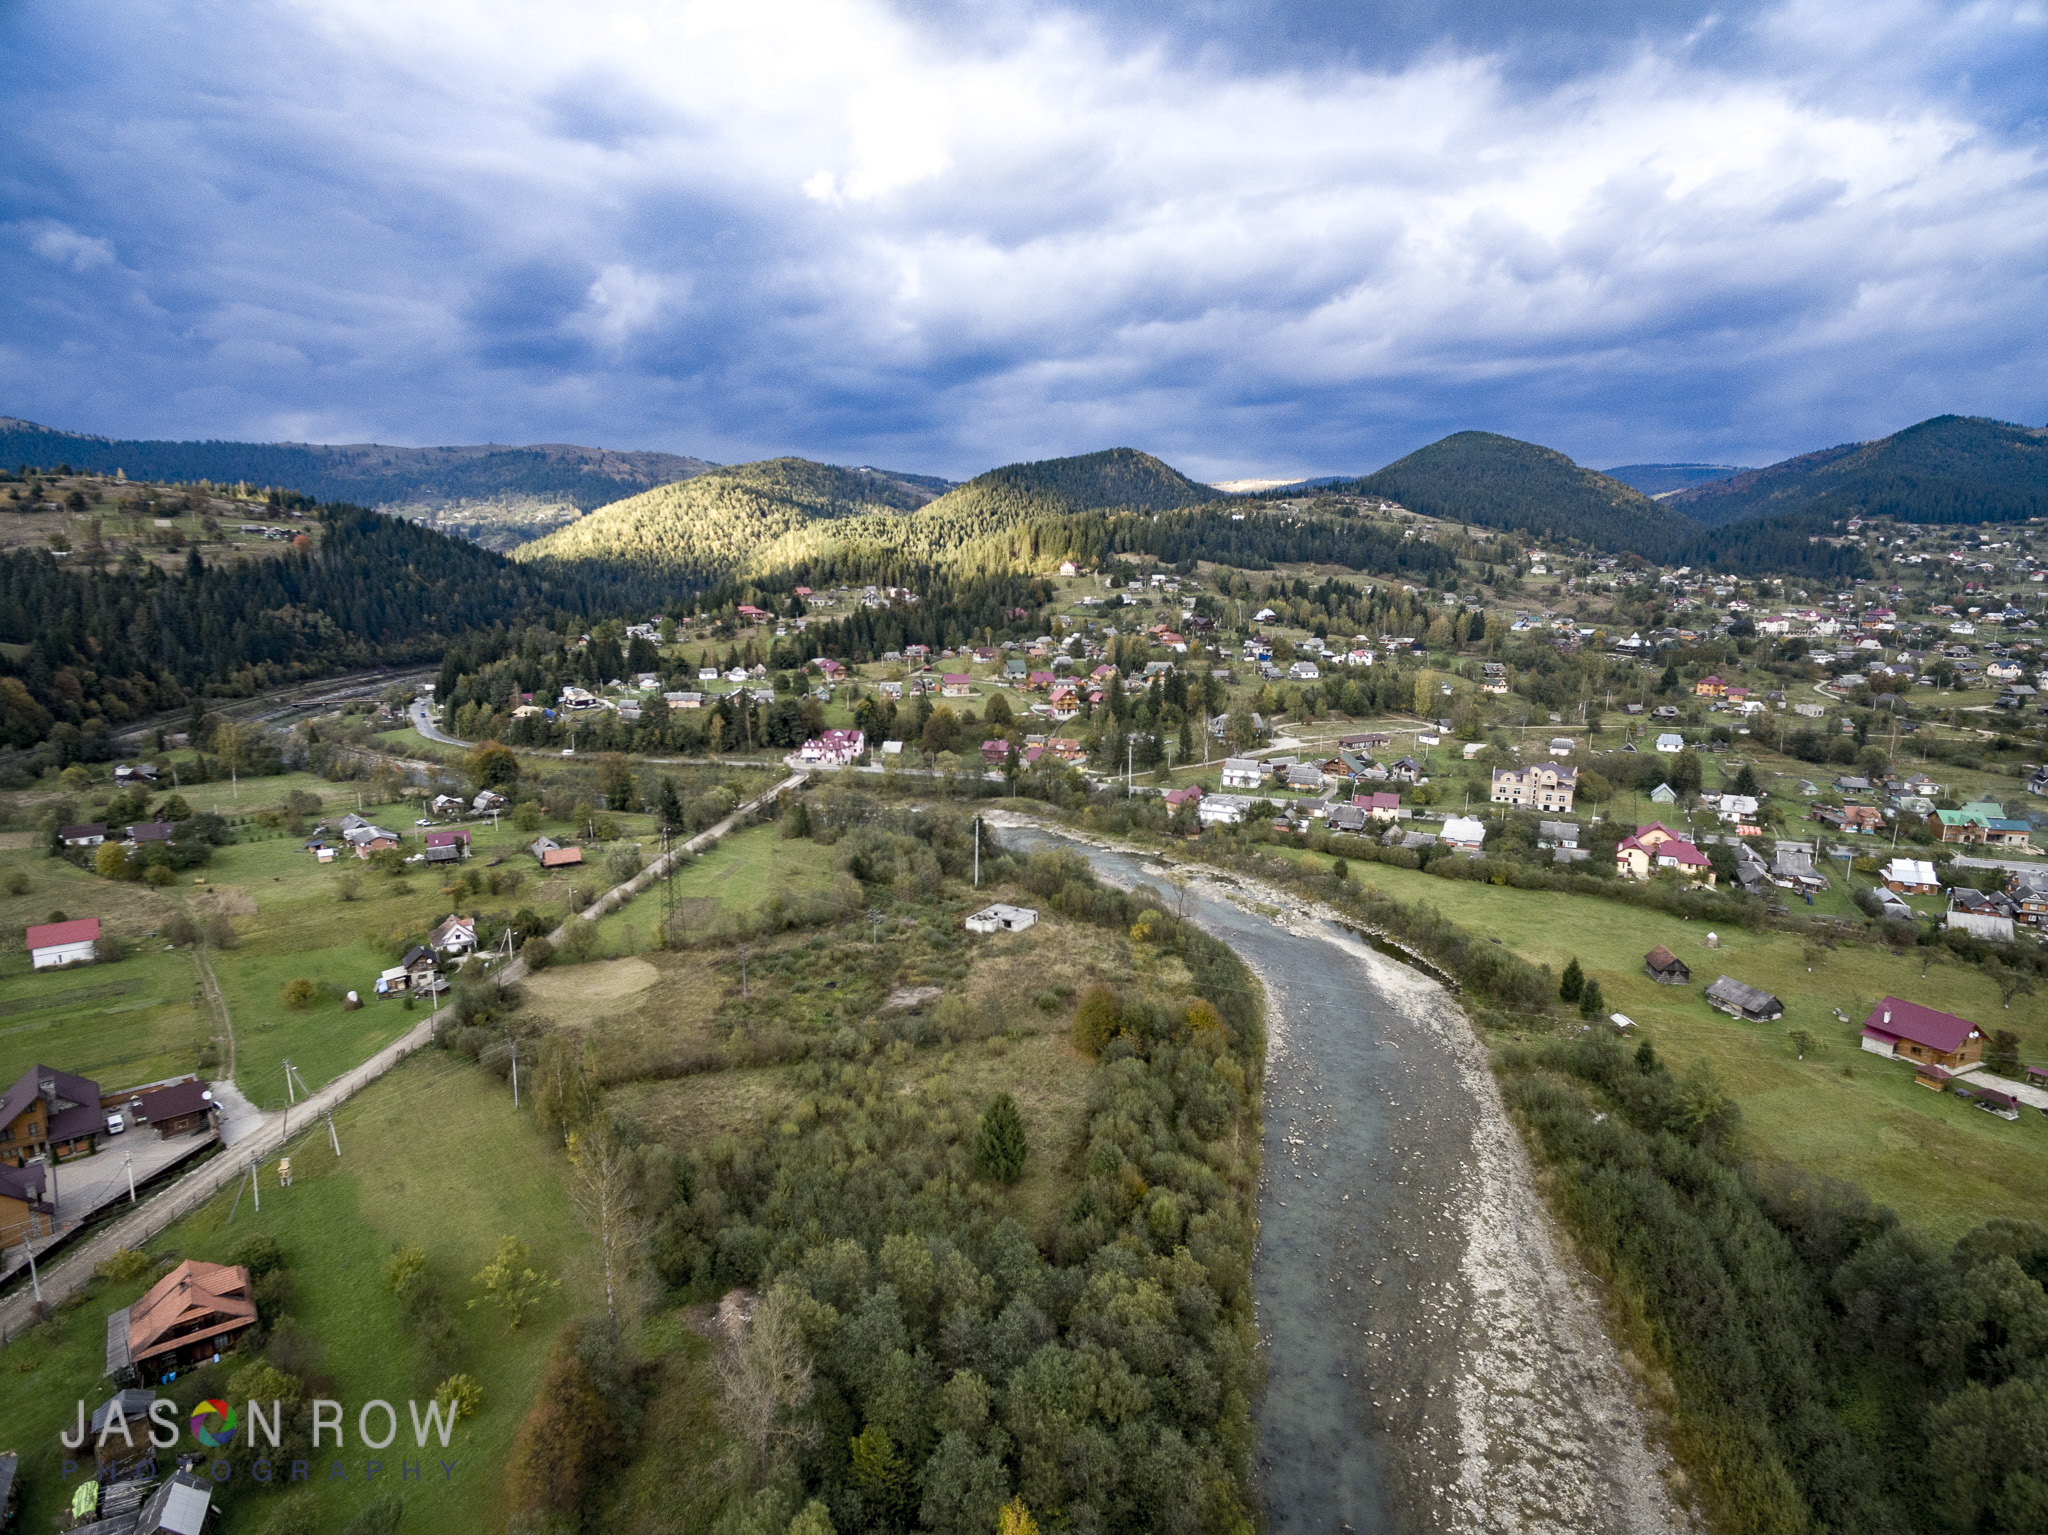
1243, 773
51, 944
1222, 809
1002, 919
1463, 833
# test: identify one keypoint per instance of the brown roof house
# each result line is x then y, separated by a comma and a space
189, 1317
1666, 968
24, 1210
49, 1112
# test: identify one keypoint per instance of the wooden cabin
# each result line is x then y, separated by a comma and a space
1906, 1031
1739, 1000
1666, 968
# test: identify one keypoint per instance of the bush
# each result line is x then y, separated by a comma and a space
123, 1265
259, 1255
298, 1514
300, 994
220, 933
537, 952
461, 1394
1096, 1020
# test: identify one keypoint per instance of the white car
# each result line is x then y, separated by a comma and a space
116, 1124
423, 821
568, 751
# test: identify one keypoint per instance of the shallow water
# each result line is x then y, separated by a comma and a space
1434, 1362
1329, 1194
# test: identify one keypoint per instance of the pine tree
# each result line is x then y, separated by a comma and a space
999, 1148
1574, 983
1591, 1003
671, 805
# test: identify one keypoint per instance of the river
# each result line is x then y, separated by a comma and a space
1434, 1361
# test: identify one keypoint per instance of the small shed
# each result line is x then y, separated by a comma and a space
120, 1432
1739, 1000
1666, 968
1996, 1100
1002, 919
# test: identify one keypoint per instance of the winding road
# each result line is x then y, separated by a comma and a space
1435, 1360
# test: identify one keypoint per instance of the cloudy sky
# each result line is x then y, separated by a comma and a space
1253, 236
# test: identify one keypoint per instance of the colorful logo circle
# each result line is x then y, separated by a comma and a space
214, 1438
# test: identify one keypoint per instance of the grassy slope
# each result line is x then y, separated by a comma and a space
1940, 1163
433, 1155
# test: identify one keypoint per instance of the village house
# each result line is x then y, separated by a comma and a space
25, 1211
1540, 786
1243, 773
1911, 876
451, 846
956, 685
833, 748
1176, 798
456, 934
1656, 847
1900, 1030
1382, 805
52, 945
86, 834
1223, 809
2029, 892
50, 1113
1666, 968
191, 1316
171, 1109
1981, 913
551, 854
1463, 834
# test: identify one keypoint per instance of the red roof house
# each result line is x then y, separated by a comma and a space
1907, 1031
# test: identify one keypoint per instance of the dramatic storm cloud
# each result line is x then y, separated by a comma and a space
1252, 237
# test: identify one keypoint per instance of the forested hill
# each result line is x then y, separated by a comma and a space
1121, 478
1499, 482
738, 520
86, 651
1947, 469
760, 518
370, 474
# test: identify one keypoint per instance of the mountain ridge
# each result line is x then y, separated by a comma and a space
1946, 468
407, 481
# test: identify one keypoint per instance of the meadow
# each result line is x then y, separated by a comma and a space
1942, 1164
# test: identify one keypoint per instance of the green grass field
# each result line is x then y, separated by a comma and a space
432, 1155
1942, 1164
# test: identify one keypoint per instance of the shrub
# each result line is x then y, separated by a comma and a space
461, 1394
220, 932
1096, 1020
298, 1514
123, 1265
537, 952
300, 994
17, 883
259, 1255
564, 1441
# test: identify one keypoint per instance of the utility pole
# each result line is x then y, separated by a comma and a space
332, 1138
509, 1040
874, 928
28, 1245
743, 972
977, 852
128, 1166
